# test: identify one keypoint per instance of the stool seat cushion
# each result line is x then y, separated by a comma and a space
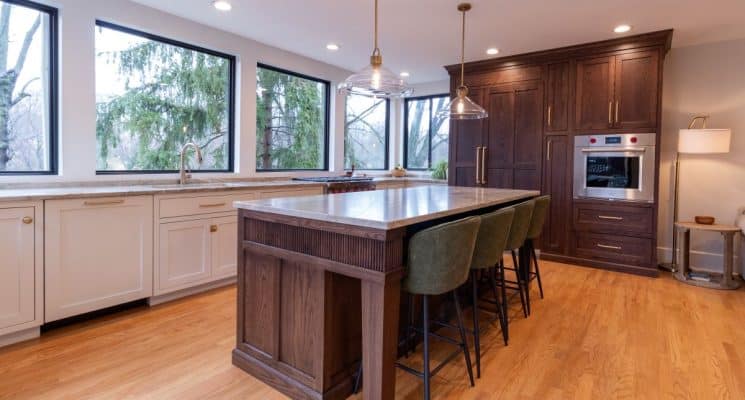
439, 258
492, 238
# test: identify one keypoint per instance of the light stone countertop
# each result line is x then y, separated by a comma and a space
51, 191
389, 208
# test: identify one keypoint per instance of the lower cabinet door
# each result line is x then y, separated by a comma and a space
98, 254
184, 255
17, 272
224, 246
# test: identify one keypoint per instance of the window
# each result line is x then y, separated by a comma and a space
153, 95
366, 133
28, 88
292, 121
426, 136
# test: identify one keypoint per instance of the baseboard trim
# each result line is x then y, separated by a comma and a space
630, 269
164, 298
20, 336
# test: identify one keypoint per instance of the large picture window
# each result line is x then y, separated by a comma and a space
153, 95
366, 133
28, 88
426, 133
292, 121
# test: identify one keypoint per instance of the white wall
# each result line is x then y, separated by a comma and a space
77, 93
705, 79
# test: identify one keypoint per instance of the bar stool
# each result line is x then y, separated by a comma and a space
490, 245
439, 260
536, 229
518, 235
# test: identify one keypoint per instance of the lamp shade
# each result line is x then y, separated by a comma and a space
704, 141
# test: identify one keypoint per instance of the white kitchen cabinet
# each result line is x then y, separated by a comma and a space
224, 240
184, 254
99, 253
21, 268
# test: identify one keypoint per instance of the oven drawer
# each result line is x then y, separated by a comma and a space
614, 248
614, 218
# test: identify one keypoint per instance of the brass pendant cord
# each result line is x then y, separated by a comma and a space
462, 49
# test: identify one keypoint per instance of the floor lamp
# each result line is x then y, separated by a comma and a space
694, 141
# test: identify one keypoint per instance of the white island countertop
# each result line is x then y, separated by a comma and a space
389, 208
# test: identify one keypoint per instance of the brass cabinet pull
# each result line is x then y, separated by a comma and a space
548, 150
103, 202
213, 228
483, 165
605, 246
478, 165
212, 205
549, 116
27, 220
612, 218
610, 113
617, 121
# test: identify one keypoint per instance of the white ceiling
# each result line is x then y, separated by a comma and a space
420, 36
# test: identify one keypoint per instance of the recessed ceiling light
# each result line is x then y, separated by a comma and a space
492, 51
404, 74
332, 46
222, 5
622, 28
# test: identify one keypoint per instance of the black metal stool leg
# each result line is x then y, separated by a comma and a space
537, 270
410, 342
501, 313
464, 345
524, 260
476, 331
503, 284
520, 282
425, 330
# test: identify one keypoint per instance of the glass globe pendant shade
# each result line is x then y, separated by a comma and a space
462, 107
375, 80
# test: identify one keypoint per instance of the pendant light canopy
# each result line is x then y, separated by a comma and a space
375, 80
462, 107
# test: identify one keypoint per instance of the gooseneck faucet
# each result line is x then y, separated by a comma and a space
184, 176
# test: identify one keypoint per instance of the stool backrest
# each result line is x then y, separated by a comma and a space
539, 216
520, 224
439, 258
492, 238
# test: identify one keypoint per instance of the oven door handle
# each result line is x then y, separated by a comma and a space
614, 150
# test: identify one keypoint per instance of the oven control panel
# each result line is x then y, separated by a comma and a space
620, 140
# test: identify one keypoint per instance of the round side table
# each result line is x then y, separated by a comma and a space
707, 279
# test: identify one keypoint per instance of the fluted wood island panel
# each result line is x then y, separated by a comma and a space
319, 283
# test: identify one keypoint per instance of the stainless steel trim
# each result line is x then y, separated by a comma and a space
614, 150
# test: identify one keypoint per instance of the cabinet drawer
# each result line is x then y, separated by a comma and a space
615, 219
614, 248
195, 205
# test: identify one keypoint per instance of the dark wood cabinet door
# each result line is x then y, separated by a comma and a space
528, 135
636, 89
500, 130
557, 97
557, 182
594, 93
466, 136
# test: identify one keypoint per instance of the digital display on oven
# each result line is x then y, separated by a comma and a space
613, 172
613, 140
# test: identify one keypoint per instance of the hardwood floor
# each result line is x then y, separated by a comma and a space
597, 335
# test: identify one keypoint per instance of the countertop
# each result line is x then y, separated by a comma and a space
388, 208
28, 192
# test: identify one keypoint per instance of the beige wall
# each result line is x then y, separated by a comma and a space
705, 79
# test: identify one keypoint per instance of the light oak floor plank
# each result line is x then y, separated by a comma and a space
597, 335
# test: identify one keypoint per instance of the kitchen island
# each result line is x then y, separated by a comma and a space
319, 281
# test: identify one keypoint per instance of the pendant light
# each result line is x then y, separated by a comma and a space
375, 80
462, 107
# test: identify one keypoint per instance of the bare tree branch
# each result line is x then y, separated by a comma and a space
26, 44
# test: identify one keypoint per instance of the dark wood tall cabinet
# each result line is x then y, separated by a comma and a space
537, 104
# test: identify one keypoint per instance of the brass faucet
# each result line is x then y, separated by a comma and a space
184, 176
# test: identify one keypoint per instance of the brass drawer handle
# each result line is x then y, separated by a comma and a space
478, 165
213, 228
610, 217
605, 246
212, 205
610, 113
549, 116
103, 202
483, 165
27, 220
617, 111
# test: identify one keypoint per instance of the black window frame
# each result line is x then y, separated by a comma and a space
406, 129
327, 118
53, 156
386, 164
231, 97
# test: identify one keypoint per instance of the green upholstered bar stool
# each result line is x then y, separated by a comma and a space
491, 243
438, 262
518, 235
536, 229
